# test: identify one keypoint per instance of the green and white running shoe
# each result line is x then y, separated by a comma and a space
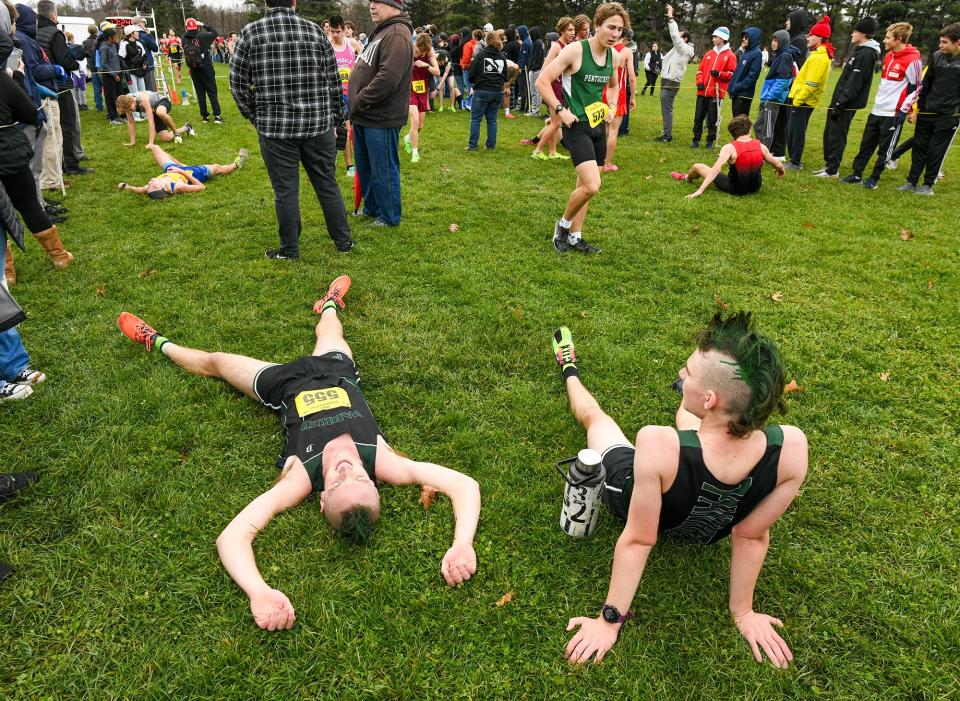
563, 351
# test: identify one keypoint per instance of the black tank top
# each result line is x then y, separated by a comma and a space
321, 409
699, 508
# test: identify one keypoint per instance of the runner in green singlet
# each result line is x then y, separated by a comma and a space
334, 447
721, 472
585, 68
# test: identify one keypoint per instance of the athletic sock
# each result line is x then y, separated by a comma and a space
507, 110
415, 153
329, 304
570, 370
565, 223
159, 342
573, 237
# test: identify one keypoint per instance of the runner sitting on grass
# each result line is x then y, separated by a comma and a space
178, 178
746, 157
154, 107
333, 446
722, 471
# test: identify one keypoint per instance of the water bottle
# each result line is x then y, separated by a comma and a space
581, 496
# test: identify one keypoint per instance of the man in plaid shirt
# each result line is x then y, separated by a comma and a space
284, 79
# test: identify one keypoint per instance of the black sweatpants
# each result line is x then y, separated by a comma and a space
22, 190
707, 108
932, 138
205, 85
70, 128
835, 133
112, 89
781, 126
797, 133
879, 136
741, 105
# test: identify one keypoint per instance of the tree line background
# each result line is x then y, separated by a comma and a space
647, 16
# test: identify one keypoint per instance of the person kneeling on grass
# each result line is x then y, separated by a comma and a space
333, 446
720, 472
178, 178
154, 107
744, 154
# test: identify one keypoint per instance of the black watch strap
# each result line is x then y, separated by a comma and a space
611, 614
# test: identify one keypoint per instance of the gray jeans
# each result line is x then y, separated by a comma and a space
668, 93
37, 138
535, 99
318, 154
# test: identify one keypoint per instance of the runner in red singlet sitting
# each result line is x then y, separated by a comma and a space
745, 155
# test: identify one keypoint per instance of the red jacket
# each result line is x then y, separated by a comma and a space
725, 62
466, 54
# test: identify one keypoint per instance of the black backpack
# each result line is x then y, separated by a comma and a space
192, 51
134, 59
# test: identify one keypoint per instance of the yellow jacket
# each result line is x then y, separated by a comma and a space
808, 86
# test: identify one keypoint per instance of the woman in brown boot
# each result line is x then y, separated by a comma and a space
9, 273
16, 106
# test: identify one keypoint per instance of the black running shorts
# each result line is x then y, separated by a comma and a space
738, 186
586, 143
275, 384
618, 487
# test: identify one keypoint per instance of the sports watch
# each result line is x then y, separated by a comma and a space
611, 614
559, 108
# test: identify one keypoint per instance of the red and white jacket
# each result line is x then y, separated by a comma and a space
725, 62
899, 82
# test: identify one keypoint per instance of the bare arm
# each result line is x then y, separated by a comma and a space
136, 189
271, 609
656, 446
750, 539
722, 159
460, 561
434, 66
776, 163
194, 184
627, 57
568, 59
613, 89
151, 124
131, 130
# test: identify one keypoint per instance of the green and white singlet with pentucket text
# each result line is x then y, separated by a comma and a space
584, 88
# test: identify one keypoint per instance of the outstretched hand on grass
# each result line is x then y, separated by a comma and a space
595, 636
459, 564
758, 629
272, 610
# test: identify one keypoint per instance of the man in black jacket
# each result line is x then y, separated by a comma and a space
798, 24
52, 40
937, 107
199, 58
850, 94
534, 66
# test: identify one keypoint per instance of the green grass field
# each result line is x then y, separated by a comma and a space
119, 592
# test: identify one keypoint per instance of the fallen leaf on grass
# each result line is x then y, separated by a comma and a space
809, 225
884, 376
662, 160
101, 290
454, 228
906, 234
720, 303
930, 284
792, 387
646, 214
695, 229
583, 314
777, 296
427, 496
505, 599
147, 273
517, 313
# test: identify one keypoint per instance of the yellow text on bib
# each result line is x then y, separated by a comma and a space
314, 400
596, 113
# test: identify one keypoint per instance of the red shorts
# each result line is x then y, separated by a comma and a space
420, 100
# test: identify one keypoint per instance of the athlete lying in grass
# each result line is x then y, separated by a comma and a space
333, 446
178, 178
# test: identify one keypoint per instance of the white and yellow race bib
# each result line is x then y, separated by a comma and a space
419, 86
596, 113
344, 75
314, 400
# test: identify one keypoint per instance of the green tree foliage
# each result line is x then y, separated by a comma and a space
168, 12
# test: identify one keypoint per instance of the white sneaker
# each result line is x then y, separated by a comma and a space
825, 174
891, 164
10, 391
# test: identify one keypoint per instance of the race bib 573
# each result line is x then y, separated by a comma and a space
596, 113
314, 400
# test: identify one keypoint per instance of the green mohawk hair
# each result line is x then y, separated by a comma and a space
356, 525
759, 365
